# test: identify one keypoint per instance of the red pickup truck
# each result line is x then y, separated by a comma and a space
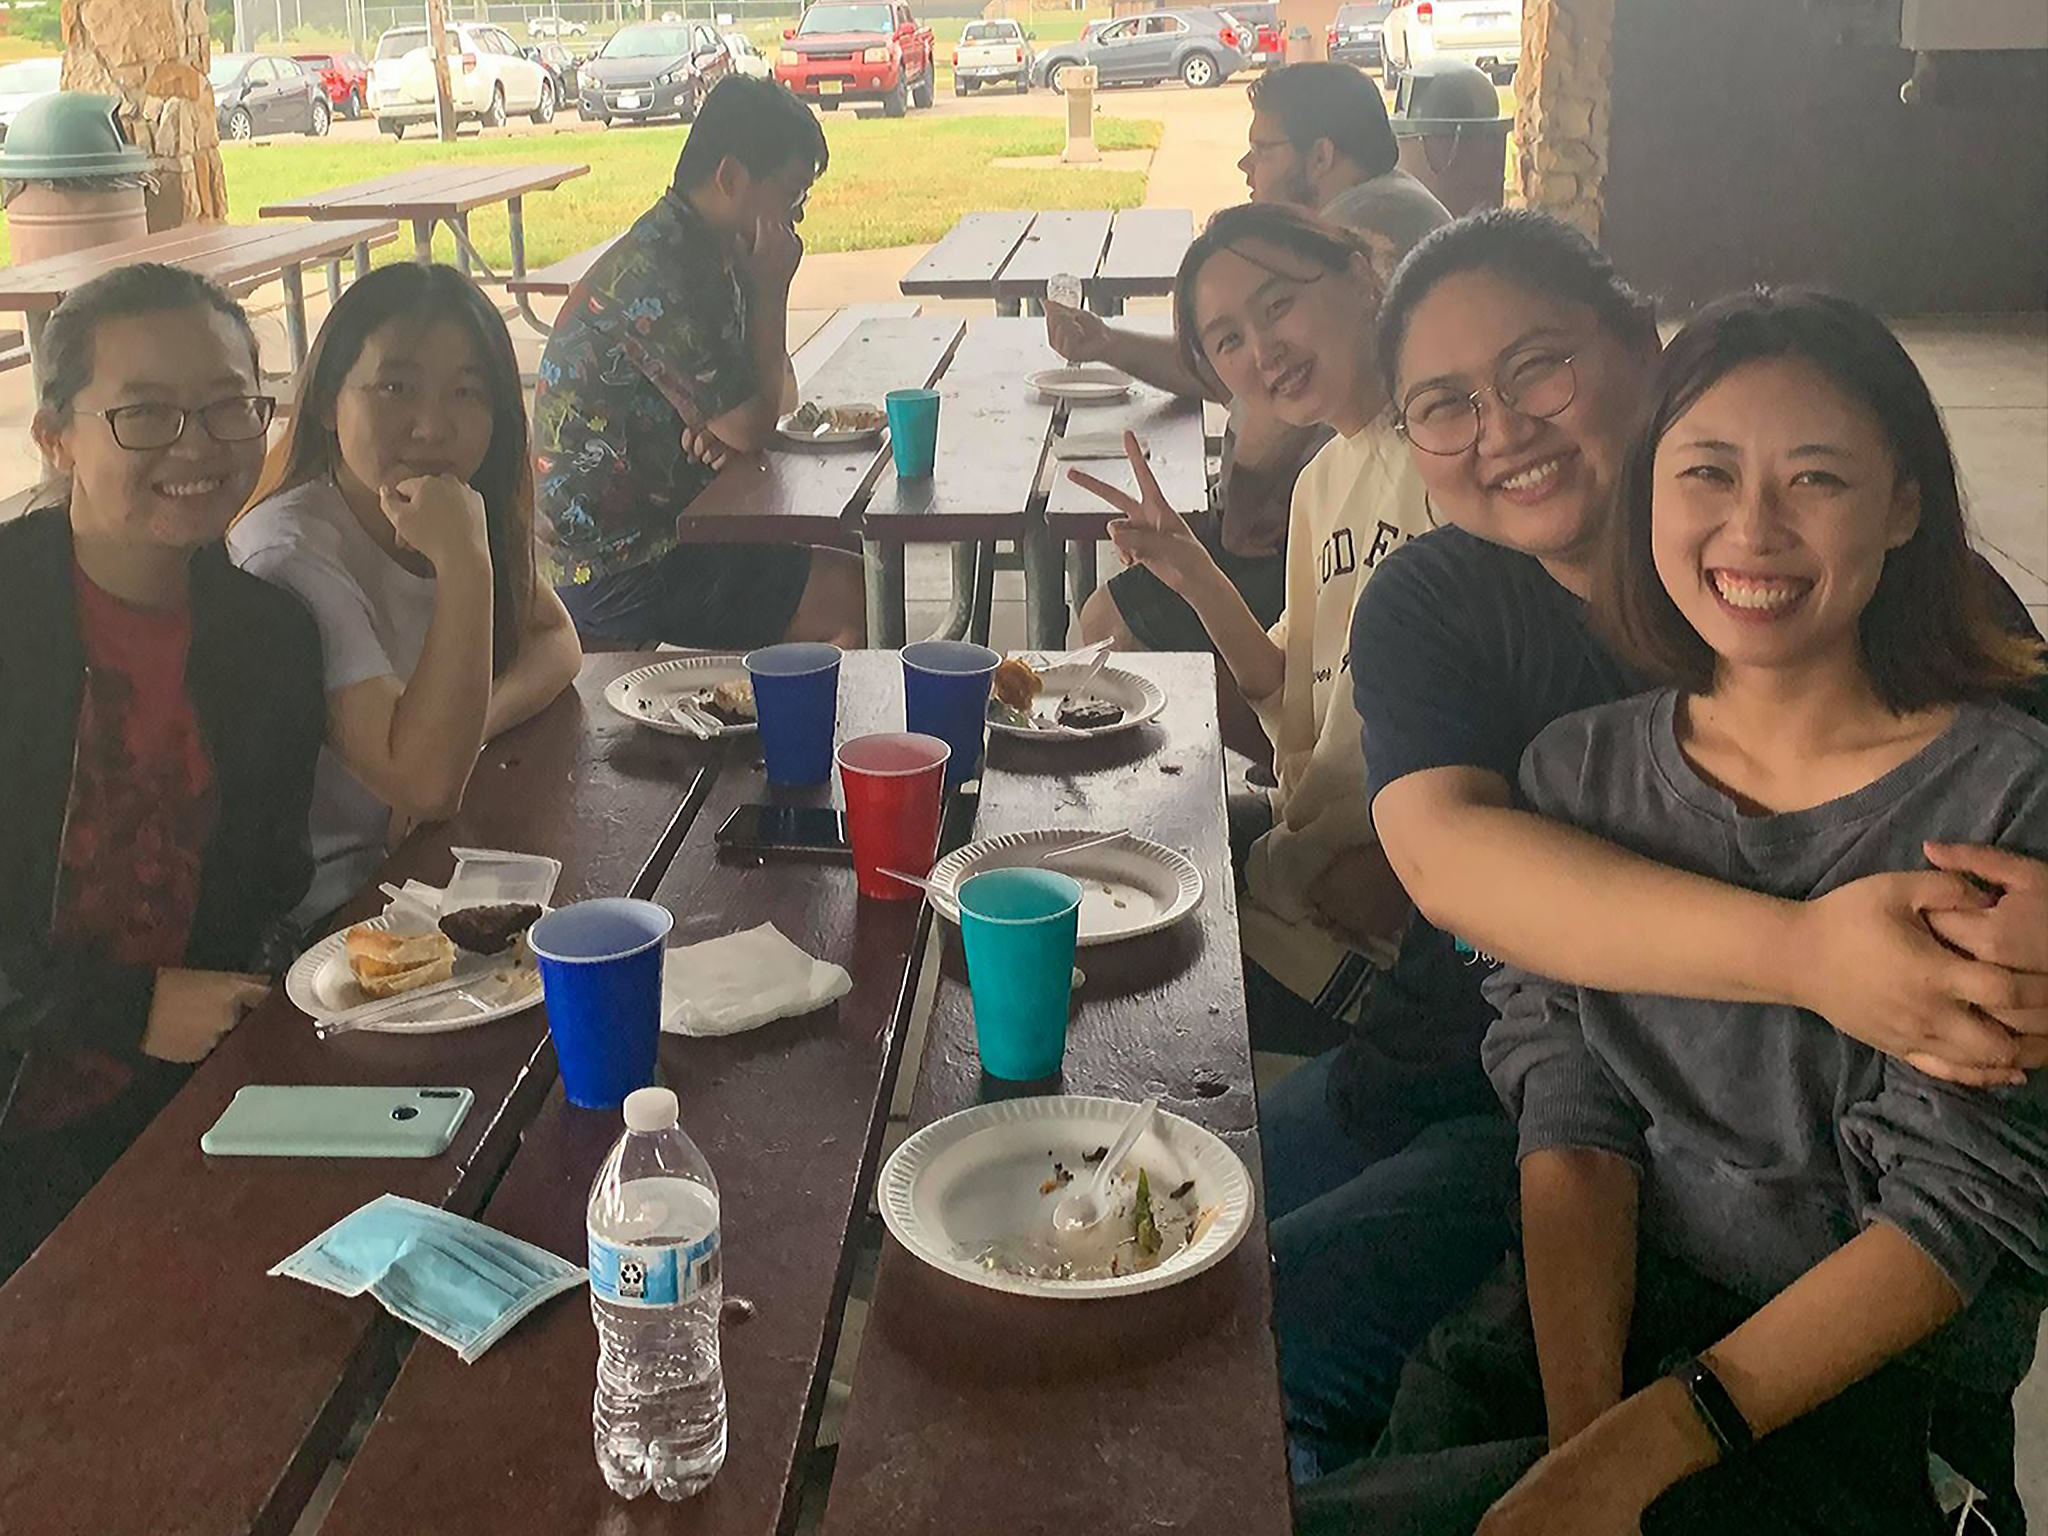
859, 50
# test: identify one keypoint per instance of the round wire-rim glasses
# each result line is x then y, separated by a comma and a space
233, 419
1538, 384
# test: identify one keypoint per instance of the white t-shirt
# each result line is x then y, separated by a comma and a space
373, 615
1358, 500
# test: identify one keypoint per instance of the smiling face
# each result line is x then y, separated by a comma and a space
1528, 482
1775, 501
415, 403
1281, 330
178, 497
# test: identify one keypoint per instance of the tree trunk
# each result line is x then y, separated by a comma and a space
444, 95
153, 55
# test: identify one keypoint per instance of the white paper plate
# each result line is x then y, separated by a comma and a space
1138, 697
645, 695
321, 984
1088, 384
1129, 888
973, 1179
831, 437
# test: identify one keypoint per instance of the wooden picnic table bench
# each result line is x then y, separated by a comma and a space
790, 1118
439, 194
146, 1322
977, 1410
239, 257
1007, 256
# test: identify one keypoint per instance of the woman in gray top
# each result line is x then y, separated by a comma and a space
1736, 1221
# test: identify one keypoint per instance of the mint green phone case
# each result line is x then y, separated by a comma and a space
313, 1121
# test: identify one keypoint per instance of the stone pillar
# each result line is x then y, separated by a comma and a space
153, 55
1561, 112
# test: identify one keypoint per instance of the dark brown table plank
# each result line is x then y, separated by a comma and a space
1145, 249
978, 1411
1171, 427
823, 344
1060, 242
146, 1320
233, 255
431, 191
992, 434
964, 264
789, 1117
800, 495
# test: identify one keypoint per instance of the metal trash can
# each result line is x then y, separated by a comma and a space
68, 180
1453, 137
1301, 46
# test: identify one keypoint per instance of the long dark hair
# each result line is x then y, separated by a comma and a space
309, 451
1928, 634
1535, 251
1327, 247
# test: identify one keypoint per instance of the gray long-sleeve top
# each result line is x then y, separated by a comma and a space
1764, 1138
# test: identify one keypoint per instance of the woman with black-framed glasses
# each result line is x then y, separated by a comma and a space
160, 716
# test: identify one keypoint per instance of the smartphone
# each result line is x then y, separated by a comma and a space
313, 1121
813, 829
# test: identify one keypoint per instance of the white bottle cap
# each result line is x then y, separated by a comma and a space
651, 1109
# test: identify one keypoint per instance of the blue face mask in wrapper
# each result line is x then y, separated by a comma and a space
454, 1279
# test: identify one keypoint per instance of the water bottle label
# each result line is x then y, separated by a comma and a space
652, 1277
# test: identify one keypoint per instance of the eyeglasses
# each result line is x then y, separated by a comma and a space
1535, 383
1263, 146
236, 419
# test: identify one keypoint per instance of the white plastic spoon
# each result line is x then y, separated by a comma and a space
1083, 1208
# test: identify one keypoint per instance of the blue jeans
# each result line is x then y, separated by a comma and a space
1372, 1247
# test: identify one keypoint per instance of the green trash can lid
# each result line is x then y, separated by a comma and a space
69, 135
1440, 95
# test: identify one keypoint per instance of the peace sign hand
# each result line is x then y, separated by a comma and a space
1150, 533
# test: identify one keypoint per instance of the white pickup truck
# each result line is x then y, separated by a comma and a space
991, 52
1487, 33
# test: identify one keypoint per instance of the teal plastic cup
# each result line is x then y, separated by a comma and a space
1018, 927
913, 431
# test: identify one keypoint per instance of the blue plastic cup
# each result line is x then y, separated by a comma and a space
600, 974
796, 698
913, 430
1019, 926
945, 694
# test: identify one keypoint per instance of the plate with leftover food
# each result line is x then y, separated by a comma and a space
1129, 887
483, 948
973, 1195
713, 687
1082, 384
813, 423
1055, 704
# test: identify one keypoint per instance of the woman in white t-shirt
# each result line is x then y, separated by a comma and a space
1278, 307
399, 507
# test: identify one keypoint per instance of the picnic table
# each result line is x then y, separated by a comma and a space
431, 195
1008, 255
791, 1120
239, 257
996, 476
145, 1328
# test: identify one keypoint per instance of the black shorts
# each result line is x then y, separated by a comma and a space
704, 596
1160, 619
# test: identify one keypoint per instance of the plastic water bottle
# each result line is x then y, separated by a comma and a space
658, 1419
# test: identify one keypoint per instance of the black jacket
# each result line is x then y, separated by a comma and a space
255, 679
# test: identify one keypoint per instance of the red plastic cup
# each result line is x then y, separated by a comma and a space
894, 785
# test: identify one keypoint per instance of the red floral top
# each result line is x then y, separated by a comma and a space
142, 796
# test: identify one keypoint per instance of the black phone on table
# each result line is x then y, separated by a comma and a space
816, 830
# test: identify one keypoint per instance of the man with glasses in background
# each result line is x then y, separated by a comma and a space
670, 356
1320, 141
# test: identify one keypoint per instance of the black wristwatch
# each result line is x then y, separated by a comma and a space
1716, 1409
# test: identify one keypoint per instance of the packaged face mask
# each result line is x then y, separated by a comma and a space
454, 1279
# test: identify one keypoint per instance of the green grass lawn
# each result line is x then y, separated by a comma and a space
904, 181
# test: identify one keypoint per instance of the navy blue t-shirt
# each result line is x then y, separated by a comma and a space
1462, 653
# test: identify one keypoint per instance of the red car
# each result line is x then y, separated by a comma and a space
345, 78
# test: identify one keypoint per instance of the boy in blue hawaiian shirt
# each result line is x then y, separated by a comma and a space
669, 356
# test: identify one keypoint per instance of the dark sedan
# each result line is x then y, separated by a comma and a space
558, 62
663, 70
255, 94
1355, 34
